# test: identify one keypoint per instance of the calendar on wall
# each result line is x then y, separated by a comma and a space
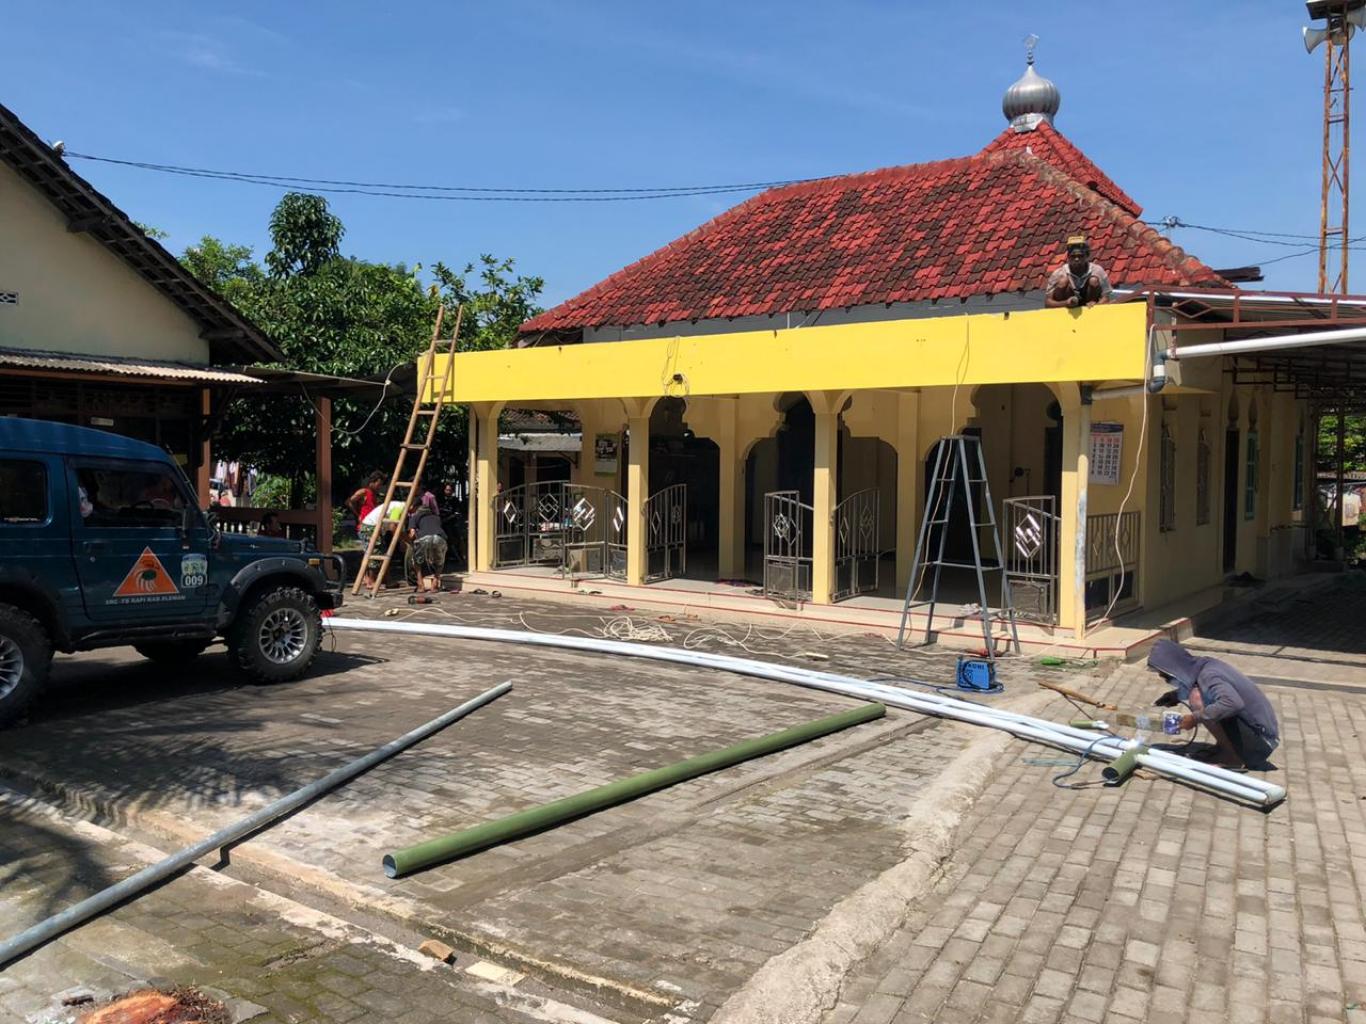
1107, 449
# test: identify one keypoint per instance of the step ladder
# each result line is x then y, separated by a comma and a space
405, 478
958, 467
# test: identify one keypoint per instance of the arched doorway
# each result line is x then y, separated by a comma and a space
784, 463
684, 471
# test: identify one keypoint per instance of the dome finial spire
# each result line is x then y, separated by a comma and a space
1033, 99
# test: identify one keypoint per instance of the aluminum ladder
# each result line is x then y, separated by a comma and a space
958, 466
423, 409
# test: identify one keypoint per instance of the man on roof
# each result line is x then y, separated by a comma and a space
1079, 281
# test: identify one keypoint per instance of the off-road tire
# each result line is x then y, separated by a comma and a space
291, 607
25, 658
171, 652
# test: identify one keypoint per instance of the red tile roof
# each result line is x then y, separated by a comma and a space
987, 224
1051, 146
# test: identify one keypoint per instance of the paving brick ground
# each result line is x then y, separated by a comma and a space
1150, 902
271, 961
685, 893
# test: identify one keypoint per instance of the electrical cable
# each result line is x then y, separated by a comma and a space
1081, 760
467, 193
1133, 476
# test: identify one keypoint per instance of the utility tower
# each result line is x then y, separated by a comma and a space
1340, 19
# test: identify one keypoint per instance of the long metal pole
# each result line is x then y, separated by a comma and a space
115, 894
1341, 505
1219, 348
1326, 159
1210, 777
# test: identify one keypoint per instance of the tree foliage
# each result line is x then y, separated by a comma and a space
349, 317
1354, 448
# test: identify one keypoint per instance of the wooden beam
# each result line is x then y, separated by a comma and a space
204, 471
83, 223
324, 474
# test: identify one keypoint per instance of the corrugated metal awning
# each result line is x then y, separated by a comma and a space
73, 362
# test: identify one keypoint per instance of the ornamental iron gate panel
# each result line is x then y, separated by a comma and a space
1031, 536
580, 530
856, 544
666, 533
787, 545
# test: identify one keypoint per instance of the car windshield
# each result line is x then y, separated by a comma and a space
128, 497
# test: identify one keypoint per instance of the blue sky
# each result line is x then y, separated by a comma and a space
1209, 112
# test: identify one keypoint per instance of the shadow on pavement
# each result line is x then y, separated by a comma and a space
114, 729
51, 860
1328, 619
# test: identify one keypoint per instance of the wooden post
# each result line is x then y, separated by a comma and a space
204, 471
323, 467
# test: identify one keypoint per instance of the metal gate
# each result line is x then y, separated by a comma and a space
580, 530
787, 545
1032, 557
666, 533
857, 538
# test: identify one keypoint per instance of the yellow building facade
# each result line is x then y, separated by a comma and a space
883, 395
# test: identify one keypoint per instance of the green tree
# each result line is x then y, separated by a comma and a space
345, 316
1354, 449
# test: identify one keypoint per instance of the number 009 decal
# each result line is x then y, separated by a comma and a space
194, 571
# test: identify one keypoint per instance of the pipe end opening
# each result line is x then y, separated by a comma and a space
390, 868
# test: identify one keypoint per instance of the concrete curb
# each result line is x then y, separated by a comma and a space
800, 984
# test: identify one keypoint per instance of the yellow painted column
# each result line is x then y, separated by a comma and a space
909, 484
472, 515
730, 505
637, 490
481, 499
824, 496
1076, 472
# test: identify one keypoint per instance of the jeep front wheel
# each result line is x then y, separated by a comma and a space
275, 637
25, 657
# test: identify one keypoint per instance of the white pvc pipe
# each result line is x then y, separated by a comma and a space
1220, 348
1210, 777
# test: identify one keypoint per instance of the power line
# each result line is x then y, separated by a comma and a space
466, 193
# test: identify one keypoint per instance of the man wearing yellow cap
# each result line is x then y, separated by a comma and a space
1079, 281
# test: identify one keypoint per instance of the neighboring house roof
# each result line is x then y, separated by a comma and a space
987, 224
231, 336
38, 359
1052, 146
530, 421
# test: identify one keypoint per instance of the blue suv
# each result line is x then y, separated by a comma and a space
102, 545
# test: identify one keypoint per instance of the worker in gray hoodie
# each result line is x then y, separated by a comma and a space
1223, 700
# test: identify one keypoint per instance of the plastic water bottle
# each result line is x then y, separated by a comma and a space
1168, 722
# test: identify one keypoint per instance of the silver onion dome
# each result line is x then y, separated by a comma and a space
1033, 98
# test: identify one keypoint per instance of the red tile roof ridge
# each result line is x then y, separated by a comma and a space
1172, 254
1048, 137
1149, 259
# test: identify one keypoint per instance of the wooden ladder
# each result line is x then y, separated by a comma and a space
422, 409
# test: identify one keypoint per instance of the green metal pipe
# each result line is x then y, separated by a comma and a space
1123, 766
535, 819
